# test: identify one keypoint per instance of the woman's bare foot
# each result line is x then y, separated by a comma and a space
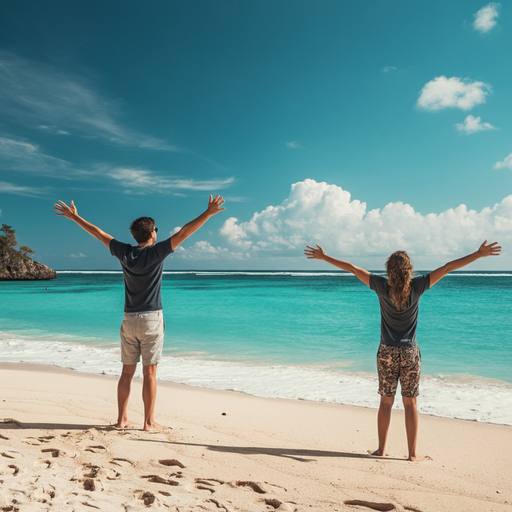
418, 458
152, 427
123, 424
378, 453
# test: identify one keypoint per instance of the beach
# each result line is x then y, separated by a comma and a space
230, 451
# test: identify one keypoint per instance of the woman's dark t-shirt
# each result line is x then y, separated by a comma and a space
398, 328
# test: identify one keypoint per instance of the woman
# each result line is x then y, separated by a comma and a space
398, 358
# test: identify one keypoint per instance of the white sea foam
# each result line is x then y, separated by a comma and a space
466, 397
257, 273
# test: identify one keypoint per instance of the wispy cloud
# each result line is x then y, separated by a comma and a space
454, 92
473, 124
52, 129
485, 18
79, 255
294, 145
39, 95
142, 181
388, 69
11, 188
16, 155
506, 163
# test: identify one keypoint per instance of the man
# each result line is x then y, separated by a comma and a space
142, 330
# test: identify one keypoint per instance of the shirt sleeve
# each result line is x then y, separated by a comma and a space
377, 283
164, 248
117, 248
422, 283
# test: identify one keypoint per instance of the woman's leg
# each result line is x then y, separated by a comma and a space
411, 427
410, 383
383, 420
388, 369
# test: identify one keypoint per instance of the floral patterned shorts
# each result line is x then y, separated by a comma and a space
399, 363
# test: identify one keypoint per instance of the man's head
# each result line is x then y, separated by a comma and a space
142, 228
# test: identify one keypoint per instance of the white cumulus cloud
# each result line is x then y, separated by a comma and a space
473, 124
506, 163
485, 18
326, 214
293, 145
454, 92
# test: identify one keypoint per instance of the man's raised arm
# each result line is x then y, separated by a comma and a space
214, 207
319, 254
483, 251
70, 212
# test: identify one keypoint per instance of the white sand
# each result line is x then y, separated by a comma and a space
57, 452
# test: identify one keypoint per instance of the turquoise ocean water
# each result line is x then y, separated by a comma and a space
309, 335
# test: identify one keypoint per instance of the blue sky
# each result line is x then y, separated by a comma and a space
364, 126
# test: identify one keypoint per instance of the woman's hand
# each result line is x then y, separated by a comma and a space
489, 250
315, 254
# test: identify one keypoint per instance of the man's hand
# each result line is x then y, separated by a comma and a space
315, 254
70, 212
214, 205
63, 210
489, 250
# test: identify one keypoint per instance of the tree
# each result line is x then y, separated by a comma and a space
25, 250
9, 239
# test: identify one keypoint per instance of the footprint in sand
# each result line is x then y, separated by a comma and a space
96, 449
147, 497
384, 507
124, 463
54, 451
42, 464
11, 454
279, 506
172, 462
9, 469
256, 487
160, 480
44, 494
208, 484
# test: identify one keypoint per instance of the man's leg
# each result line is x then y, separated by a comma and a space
411, 427
123, 394
383, 421
149, 398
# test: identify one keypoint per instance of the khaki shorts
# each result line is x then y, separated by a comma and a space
399, 363
142, 334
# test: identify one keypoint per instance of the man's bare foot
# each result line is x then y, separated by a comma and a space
154, 427
418, 458
378, 453
123, 424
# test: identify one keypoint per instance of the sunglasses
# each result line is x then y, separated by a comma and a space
156, 230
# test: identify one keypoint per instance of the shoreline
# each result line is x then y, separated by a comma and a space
460, 396
301, 455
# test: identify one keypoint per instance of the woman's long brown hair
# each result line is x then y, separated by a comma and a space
399, 269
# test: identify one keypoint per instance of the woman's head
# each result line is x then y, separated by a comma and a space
399, 269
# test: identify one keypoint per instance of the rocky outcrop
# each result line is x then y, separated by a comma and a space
17, 267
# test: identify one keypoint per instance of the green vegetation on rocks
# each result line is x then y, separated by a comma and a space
17, 265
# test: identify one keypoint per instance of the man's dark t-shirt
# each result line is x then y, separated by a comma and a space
398, 328
142, 269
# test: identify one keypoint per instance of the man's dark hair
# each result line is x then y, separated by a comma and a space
142, 228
